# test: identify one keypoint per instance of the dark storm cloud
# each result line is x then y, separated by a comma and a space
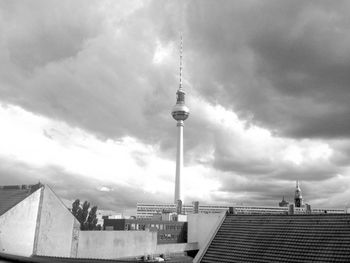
286, 69
271, 179
256, 192
284, 63
320, 181
37, 33
267, 192
229, 158
341, 154
307, 172
99, 78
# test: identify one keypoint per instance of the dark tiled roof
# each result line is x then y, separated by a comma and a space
281, 238
10, 196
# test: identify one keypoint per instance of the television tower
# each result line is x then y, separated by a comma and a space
180, 113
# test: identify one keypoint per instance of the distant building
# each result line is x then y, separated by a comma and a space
167, 231
147, 210
283, 203
104, 214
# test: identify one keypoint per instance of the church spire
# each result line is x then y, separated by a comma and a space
298, 198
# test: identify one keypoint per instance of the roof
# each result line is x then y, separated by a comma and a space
13, 194
281, 238
44, 259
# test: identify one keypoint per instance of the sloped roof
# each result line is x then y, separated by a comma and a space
281, 238
12, 195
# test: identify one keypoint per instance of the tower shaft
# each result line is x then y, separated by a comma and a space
179, 161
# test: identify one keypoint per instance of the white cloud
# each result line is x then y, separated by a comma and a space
243, 140
40, 142
105, 189
162, 52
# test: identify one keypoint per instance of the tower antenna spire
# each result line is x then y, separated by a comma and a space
181, 47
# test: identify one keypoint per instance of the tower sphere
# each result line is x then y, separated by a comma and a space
180, 112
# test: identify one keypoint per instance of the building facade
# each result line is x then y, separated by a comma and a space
167, 231
148, 210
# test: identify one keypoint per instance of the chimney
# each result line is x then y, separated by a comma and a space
308, 209
232, 210
195, 207
179, 207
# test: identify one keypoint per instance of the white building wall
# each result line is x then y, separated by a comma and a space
17, 226
125, 244
56, 225
200, 226
169, 249
116, 244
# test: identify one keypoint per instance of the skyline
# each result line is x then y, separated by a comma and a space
87, 88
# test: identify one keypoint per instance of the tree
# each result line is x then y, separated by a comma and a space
75, 207
87, 218
91, 221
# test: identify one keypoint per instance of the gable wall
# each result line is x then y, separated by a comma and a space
201, 227
17, 226
56, 226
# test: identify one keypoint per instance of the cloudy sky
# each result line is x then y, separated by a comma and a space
86, 90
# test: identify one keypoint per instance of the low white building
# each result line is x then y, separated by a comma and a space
35, 222
147, 210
